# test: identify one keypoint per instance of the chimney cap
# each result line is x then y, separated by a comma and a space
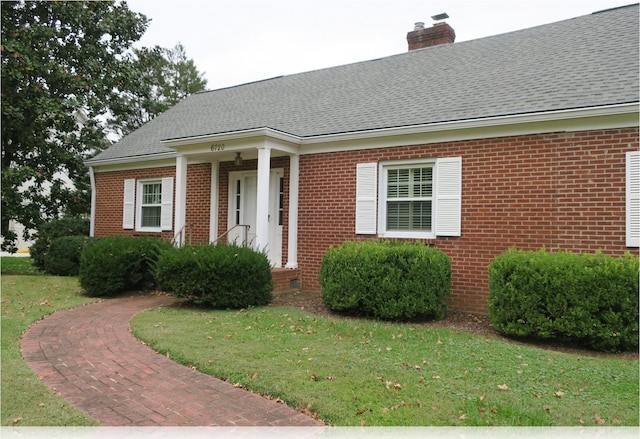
419, 25
439, 17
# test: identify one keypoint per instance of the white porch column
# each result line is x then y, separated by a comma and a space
262, 204
292, 237
213, 215
180, 210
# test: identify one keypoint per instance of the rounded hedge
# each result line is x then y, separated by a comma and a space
63, 256
586, 299
221, 276
47, 232
115, 264
387, 280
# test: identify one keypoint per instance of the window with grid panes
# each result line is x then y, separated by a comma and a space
151, 204
409, 198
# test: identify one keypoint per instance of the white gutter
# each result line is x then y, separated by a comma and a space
547, 116
626, 109
241, 134
130, 159
92, 217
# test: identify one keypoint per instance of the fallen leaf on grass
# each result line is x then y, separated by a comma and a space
502, 387
598, 419
537, 395
463, 417
16, 420
559, 393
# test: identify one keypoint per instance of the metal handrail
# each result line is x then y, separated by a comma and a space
180, 233
246, 233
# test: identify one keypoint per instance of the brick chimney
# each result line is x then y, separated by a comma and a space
439, 33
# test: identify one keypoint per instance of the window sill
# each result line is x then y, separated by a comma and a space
407, 235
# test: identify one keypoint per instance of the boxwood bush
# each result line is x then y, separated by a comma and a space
47, 232
221, 276
63, 256
586, 299
386, 280
115, 264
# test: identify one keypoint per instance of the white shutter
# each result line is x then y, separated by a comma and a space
366, 197
448, 196
166, 212
633, 199
129, 208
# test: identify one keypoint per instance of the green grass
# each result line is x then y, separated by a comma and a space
349, 372
357, 372
18, 265
25, 299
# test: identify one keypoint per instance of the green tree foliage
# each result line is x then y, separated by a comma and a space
165, 77
64, 64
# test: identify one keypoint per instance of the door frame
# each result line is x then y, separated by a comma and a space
235, 211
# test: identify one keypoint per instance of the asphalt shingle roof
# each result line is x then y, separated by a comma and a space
587, 61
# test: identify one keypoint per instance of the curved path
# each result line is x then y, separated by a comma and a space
88, 356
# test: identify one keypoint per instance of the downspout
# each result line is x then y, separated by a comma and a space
92, 217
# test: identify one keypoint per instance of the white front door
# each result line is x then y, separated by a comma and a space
243, 187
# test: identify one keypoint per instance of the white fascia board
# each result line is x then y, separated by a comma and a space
139, 162
234, 135
580, 119
613, 116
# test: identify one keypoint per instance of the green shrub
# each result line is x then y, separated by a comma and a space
114, 264
69, 226
221, 276
63, 257
387, 280
588, 299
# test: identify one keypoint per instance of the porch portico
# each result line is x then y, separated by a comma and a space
262, 145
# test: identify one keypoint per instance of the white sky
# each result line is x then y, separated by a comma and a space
237, 41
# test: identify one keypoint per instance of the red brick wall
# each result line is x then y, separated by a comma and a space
560, 191
198, 203
110, 198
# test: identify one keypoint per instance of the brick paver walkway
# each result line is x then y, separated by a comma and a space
89, 357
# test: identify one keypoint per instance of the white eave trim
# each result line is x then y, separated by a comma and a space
131, 160
242, 134
529, 118
451, 127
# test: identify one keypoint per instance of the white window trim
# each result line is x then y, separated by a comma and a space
133, 187
139, 185
382, 207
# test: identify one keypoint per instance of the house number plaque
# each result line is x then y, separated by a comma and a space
217, 147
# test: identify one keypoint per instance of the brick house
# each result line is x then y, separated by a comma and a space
525, 139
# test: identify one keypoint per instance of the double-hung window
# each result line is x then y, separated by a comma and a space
148, 204
409, 199
415, 199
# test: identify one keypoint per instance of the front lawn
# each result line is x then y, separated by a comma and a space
25, 300
362, 372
